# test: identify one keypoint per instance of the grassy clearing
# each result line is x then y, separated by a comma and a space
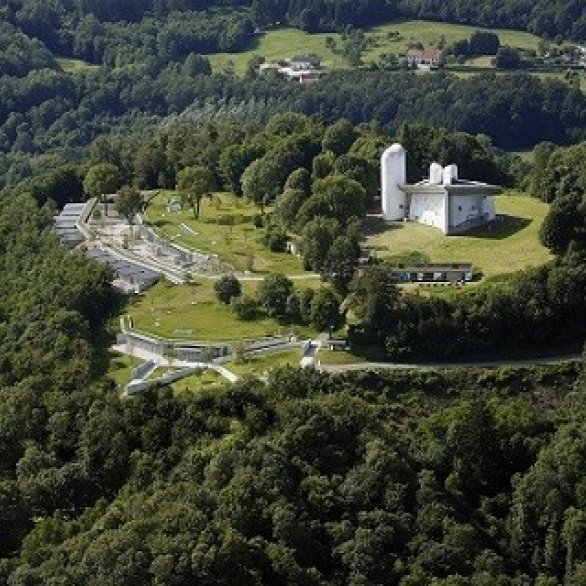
334, 357
236, 244
204, 379
121, 365
259, 365
193, 312
282, 43
432, 34
503, 247
526, 155
73, 65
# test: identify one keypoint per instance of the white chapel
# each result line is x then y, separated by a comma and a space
443, 200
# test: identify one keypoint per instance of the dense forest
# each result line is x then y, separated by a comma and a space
62, 24
453, 477
48, 116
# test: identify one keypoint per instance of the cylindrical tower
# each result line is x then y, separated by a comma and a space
393, 175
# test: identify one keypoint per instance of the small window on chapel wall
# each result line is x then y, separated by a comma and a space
459, 208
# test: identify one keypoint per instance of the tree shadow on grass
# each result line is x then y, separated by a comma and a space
159, 223
503, 226
375, 225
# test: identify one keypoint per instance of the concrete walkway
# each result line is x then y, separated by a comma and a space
161, 361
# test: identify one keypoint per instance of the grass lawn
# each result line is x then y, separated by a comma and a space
526, 155
237, 245
199, 381
326, 356
121, 366
282, 43
193, 312
502, 247
258, 365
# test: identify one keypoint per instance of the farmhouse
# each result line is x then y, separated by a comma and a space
443, 200
424, 59
304, 69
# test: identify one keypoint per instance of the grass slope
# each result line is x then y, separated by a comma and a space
503, 247
237, 245
285, 42
258, 365
193, 312
121, 365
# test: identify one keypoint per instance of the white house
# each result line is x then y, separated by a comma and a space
443, 200
424, 59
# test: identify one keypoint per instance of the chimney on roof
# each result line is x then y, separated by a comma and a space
450, 174
435, 174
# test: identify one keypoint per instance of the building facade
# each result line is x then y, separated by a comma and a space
442, 200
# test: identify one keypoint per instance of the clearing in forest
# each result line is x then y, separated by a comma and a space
393, 37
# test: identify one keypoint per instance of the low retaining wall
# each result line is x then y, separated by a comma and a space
134, 388
142, 369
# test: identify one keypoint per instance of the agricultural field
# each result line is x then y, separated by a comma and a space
193, 312
224, 228
393, 37
507, 245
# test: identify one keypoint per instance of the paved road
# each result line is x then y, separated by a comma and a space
442, 365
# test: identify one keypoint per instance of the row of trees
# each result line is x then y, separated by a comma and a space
276, 297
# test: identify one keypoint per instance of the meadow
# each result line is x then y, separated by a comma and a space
509, 244
393, 37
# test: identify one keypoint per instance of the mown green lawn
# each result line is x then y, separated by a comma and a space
258, 365
121, 365
192, 312
204, 379
284, 43
504, 246
333, 357
237, 244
